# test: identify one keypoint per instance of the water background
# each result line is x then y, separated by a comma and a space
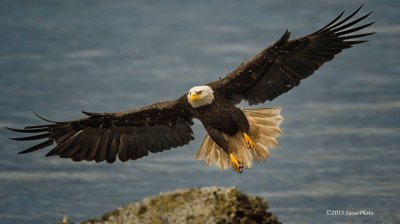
340, 149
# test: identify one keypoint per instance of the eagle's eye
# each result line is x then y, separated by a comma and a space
199, 92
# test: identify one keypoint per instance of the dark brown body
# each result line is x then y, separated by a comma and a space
219, 117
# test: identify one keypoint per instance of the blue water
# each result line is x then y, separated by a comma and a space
340, 149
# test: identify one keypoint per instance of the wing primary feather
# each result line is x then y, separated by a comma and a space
37, 115
64, 135
38, 146
347, 25
346, 19
354, 29
332, 22
75, 147
55, 150
85, 147
28, 130
34, 137
354, 42
356, 36
60, 147
41, 126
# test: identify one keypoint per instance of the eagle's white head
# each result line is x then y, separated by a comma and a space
200, 96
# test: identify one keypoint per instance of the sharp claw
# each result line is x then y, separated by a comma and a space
248, 141
236, 164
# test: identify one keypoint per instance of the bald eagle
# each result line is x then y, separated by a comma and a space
234, 137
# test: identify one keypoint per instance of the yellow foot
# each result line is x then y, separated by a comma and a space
248, 141
236, 164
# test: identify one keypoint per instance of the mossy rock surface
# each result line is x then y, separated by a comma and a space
195, 206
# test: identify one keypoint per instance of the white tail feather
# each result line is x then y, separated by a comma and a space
264, 129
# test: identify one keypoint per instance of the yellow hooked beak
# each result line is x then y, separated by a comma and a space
194, 97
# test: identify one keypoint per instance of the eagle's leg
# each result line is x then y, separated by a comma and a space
248, 141
243, 124
218, 137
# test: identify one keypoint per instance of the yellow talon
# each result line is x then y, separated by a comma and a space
236, 164
248, 141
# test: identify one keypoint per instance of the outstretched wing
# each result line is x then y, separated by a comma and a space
282, 66
103, 136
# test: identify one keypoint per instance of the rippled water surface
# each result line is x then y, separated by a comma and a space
340, 149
